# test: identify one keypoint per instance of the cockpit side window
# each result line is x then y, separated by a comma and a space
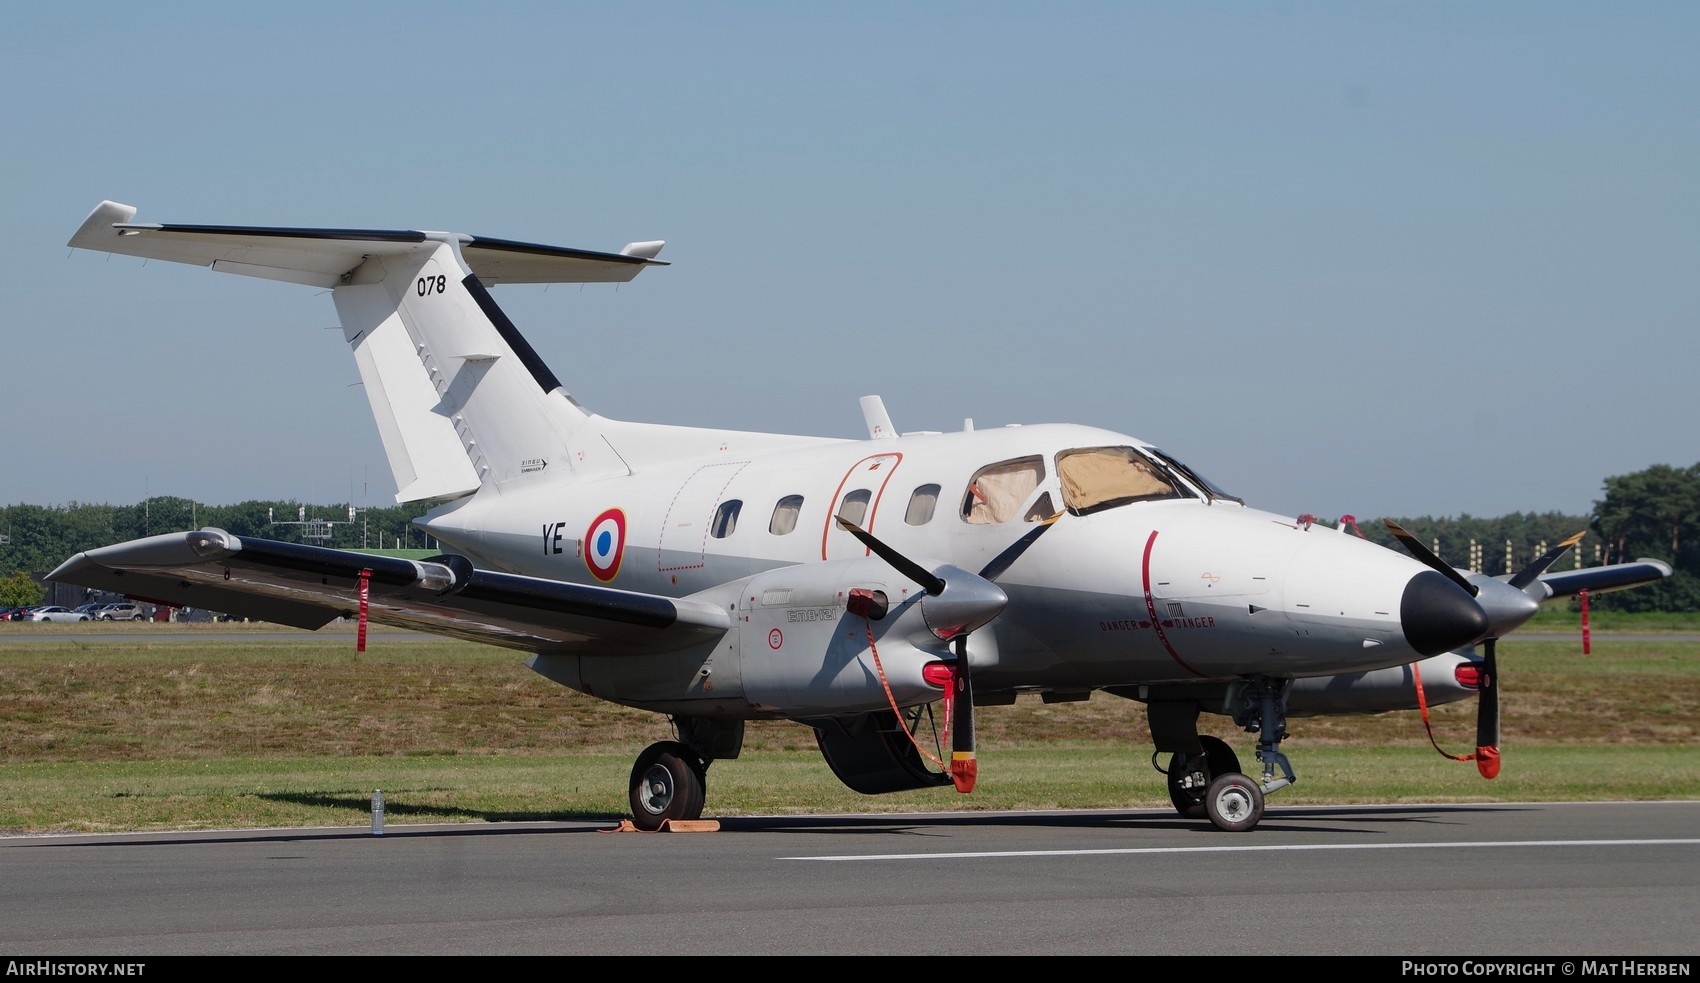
1210, 487
1097, 478
997, 491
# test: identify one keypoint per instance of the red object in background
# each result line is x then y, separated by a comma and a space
365, 598
1583, 595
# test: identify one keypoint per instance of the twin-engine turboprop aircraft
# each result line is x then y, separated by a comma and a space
851, 586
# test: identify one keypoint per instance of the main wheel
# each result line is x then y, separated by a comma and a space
1219, 758
667, 783
1235, 803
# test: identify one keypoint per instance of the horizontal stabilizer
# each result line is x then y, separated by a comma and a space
329, 257
310, 586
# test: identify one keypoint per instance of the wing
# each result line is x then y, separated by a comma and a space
1598, 580
310, 586
328, 257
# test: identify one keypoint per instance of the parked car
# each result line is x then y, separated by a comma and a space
13, 614
56, 612
89, 608
121, 611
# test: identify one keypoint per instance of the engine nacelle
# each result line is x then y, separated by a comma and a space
1446, 678
835, 639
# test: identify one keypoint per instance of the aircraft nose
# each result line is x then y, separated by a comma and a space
1439, 616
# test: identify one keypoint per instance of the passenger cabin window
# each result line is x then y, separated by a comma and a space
921, 505
725, 519
854, 507
1098, 478
785, 515
997, 492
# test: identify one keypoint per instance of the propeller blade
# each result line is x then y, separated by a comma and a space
1415, 547
973, 602
964, 768
1532, 572
1001, 562
930, 583
1487, 714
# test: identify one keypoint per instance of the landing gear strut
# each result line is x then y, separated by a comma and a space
1263, 711
1208, 784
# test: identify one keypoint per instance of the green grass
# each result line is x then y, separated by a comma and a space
198, 731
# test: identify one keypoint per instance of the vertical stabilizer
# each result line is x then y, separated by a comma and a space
460, 398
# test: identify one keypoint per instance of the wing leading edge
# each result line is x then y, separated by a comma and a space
310, 586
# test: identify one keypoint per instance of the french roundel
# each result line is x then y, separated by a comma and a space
605, 544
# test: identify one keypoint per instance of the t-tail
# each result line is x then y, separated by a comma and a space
460, 398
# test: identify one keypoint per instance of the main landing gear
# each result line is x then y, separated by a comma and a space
670, 778
669, 782
1209, 784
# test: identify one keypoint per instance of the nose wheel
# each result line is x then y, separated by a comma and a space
1234, 803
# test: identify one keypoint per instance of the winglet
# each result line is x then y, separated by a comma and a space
97, 229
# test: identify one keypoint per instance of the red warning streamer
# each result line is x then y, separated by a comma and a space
1583, 597
1481, 756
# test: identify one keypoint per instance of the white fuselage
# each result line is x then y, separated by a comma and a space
1177, 589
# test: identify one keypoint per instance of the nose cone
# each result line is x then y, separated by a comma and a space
1438, 615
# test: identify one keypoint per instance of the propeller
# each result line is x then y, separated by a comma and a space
1415, 547
964, 602
1487, 713
1508, 604
1531, 573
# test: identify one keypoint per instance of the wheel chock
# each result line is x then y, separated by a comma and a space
671, 826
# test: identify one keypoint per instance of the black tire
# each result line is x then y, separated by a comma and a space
136, 618
1234, 802
667, 783
1219, 758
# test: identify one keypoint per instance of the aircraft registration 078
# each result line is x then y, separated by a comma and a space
875, 591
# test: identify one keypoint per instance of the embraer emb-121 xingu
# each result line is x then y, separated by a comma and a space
851, 586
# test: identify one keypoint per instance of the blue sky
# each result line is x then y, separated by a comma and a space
1373, 258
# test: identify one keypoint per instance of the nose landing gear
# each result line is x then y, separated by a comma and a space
1210, 785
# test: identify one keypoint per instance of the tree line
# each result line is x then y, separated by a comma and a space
1650, 513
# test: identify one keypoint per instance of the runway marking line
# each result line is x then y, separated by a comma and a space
1260, 848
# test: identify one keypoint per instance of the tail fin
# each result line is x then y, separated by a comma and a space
459, 397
